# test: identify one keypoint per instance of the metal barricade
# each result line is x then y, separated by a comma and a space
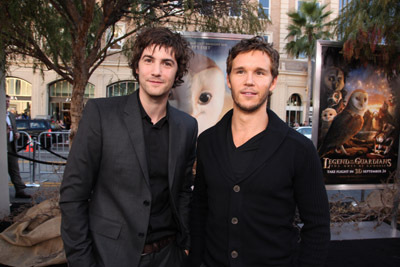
52, 147
24, 148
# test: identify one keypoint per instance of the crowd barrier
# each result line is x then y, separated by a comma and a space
43, 157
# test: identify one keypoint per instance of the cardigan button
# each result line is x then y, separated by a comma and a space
234, 254
235, 220
236, 188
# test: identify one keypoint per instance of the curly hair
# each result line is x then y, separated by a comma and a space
163, 38
256, 43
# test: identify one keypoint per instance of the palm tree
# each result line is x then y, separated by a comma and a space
308, 25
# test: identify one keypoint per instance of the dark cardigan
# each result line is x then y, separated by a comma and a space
250, 222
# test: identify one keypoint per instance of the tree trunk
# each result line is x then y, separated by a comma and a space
308, 91
78, 91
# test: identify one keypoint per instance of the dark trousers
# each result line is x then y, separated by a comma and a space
170, 256
13, 169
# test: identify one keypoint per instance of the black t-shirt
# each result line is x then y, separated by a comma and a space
241, 157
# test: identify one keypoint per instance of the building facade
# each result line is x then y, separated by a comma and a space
47, 95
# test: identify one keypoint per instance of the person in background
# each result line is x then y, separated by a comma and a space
13, 168
253, 172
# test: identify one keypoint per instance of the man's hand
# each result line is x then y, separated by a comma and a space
17, 135
187, 252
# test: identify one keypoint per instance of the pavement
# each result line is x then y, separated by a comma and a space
40, 193
350, 247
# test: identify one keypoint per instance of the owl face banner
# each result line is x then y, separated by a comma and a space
356, 119
204, 93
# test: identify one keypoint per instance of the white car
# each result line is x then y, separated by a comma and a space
305, 130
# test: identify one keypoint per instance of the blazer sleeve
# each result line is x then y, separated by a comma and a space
312, 202
78, 181
185, 195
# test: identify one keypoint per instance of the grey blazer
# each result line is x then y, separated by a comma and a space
106, 187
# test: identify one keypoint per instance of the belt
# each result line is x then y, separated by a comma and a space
157, 245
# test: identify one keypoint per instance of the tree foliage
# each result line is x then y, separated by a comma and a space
370, 30
308, 25
68, 36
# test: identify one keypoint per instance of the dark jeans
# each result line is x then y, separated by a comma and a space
170, 256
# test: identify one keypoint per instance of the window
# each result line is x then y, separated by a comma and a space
119, 31
64, 89
342, 4
235, 8
264, 6
293, 110
299, 3
18, 87
177, 6
122, 88
22, 124
294, 100
38, 125
20, 92
206, 7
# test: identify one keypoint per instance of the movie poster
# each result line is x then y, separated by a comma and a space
205, 94
358, 119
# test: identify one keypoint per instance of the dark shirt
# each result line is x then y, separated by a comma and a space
156, 142
241, 157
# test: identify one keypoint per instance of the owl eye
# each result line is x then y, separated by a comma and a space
204, 98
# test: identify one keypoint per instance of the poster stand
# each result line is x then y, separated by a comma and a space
352, 158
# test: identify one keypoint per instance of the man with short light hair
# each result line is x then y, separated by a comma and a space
253, 171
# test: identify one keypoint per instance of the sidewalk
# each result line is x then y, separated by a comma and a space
347, 248
44, 191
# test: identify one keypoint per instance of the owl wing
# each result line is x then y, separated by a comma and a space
344, 126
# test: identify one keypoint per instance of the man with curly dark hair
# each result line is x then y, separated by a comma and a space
126, 189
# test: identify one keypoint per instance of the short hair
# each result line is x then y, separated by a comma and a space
7, 96
163, 38
254, 44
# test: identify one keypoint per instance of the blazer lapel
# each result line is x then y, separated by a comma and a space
175, 143
133, 122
